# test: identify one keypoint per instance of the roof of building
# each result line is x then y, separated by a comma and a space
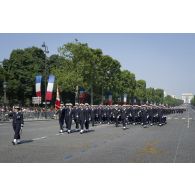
187, 94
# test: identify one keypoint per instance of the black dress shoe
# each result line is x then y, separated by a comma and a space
13, 143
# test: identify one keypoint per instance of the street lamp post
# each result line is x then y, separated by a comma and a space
92, 78
45, 51
4, 89
77, 94
91, 93
5, 96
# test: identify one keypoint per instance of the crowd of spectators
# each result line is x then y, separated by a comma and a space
28, 112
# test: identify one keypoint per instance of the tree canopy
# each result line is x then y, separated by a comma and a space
20, 70
193, 101
75, 65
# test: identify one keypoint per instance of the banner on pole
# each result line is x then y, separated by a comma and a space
50, 85
38, 79
125, 98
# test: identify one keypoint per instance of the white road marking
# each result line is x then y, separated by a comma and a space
188, 126
176, 118
169, 118
179, 141
61, 133
38, 138
184, 118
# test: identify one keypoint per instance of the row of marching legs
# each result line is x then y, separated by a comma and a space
83, 126
135, 120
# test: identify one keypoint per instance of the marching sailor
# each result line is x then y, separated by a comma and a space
61, 113
76, 110
82, 117
124, 116
17, 124
87, 116
69, 116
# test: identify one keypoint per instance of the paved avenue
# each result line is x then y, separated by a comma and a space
41, 143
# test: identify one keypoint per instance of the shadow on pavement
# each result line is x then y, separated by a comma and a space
73, 131
125, 128
89, 131
25, 141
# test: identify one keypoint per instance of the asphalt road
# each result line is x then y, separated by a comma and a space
172, 143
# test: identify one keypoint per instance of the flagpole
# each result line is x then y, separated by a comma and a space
45, 51
57, 102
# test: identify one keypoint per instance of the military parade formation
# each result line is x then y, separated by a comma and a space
83, 115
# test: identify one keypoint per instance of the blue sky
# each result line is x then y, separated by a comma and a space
164, 60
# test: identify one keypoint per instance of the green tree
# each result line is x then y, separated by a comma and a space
140, 91
107, 73
126, 84
88, 68
20, 71
170, 101
193, 101
158, 96
150, 93
81, 61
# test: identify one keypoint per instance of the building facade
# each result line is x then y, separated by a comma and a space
187, 97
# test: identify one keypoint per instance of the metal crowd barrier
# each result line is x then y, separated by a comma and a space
39, 115
29, 115
4, 116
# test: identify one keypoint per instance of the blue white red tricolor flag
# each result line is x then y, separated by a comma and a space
57, 103
125, 98
110, 98
50, 84
38, 85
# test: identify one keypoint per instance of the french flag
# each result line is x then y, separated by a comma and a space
38, 85
125, 98
110, 98
57, 103
50, 87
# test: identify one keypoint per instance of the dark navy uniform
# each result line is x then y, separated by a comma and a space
100, 114
116, 112
124, 116
87, 116
82, 118
144, 115
76, 110
61, 113
69, 116
93, 111
17, 123
109, 114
